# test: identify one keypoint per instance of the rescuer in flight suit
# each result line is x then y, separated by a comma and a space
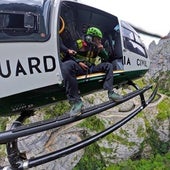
88, 51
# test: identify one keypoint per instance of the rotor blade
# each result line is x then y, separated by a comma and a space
139, 30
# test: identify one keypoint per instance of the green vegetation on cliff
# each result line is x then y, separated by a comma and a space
157, 162
164, 82
164, 110
91, 160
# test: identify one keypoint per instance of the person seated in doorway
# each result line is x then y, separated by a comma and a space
84, 62
65, 52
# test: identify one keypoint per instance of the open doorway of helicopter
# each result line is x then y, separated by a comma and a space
117, 35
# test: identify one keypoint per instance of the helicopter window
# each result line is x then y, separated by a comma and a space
133, 42
21, 23
27, 24
128, 44
134, 47
127, 33
139, 49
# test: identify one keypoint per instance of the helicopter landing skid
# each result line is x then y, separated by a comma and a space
17, 159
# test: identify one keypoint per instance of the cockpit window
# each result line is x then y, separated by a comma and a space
18, 23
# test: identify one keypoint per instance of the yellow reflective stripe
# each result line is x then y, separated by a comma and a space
79, 44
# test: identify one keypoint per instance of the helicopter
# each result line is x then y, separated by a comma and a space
31, 74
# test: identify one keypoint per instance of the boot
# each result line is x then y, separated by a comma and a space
114, 96
76, 108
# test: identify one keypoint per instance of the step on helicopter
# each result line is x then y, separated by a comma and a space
31, 75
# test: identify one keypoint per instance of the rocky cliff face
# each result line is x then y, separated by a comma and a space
160, 56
